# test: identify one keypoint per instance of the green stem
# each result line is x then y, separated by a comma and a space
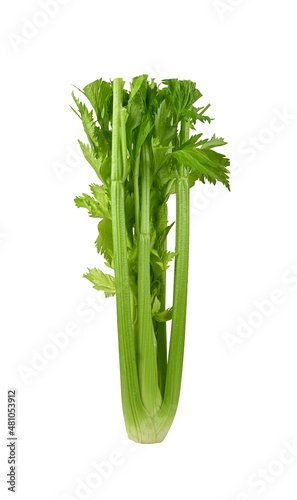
166, 415
147, 345
124, 143
134, 324
161, 334
138, 423
136, 192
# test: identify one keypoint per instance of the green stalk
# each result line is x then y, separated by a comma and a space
136, 192
161, 334
147, 344
124, 143
138, 423
134, 322
166, 415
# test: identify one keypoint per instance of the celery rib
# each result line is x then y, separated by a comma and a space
166, 415
147, 350
139, 425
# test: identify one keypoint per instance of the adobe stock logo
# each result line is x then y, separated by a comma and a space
3, 237
262, 310
267, 475
73, 158
55, 343
254, 144
223, 7
31, 27
248, 151
101, 471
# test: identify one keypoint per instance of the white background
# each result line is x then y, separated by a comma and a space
238, 407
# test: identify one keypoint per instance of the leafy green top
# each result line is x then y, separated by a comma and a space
151, 112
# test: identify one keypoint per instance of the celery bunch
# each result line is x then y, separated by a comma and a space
140, 147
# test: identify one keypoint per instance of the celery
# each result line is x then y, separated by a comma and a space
140, 148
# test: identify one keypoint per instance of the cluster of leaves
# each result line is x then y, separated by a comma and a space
153, 113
